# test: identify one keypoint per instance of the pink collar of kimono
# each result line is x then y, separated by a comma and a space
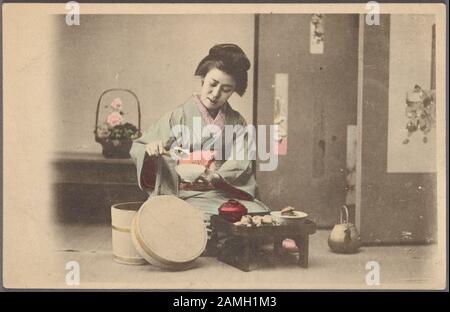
219, 121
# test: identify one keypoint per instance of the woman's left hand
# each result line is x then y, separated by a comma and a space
209, 175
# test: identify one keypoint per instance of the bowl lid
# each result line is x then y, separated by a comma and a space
170, 230
232, 205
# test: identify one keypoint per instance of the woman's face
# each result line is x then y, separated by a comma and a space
217, 88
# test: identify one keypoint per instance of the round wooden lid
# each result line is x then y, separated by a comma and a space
170, 230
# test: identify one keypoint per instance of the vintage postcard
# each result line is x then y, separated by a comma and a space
224, 146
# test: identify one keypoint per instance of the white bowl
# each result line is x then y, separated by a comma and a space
286, 219
190, 172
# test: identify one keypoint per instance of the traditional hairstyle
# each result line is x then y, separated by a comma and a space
229, 58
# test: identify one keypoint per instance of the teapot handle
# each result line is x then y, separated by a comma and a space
345, 209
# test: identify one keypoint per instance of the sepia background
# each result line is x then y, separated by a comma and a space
59, 189
155, 56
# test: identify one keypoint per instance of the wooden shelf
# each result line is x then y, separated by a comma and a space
85, 185
61, 157
92, 168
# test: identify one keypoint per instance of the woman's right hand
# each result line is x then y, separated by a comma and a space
155, 148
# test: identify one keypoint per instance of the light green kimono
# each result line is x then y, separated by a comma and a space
236, 173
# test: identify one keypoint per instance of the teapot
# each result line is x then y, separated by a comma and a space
232, 210
344, 237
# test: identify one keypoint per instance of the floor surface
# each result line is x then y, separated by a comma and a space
399, 267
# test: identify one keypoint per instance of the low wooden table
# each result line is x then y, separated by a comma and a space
240, 240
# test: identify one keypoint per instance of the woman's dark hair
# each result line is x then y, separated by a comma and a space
229, 58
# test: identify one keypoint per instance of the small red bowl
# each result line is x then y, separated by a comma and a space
232, 210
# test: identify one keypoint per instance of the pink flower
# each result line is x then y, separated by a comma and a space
114, 119
116, 104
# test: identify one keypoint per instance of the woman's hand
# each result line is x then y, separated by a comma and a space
155, 148
209, 175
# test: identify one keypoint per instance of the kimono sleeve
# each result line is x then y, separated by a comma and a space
145, 165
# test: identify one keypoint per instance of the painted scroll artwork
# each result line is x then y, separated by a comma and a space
412, 84
281, 112
421, 113
317, 34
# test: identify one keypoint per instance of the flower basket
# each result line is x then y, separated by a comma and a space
115, 135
